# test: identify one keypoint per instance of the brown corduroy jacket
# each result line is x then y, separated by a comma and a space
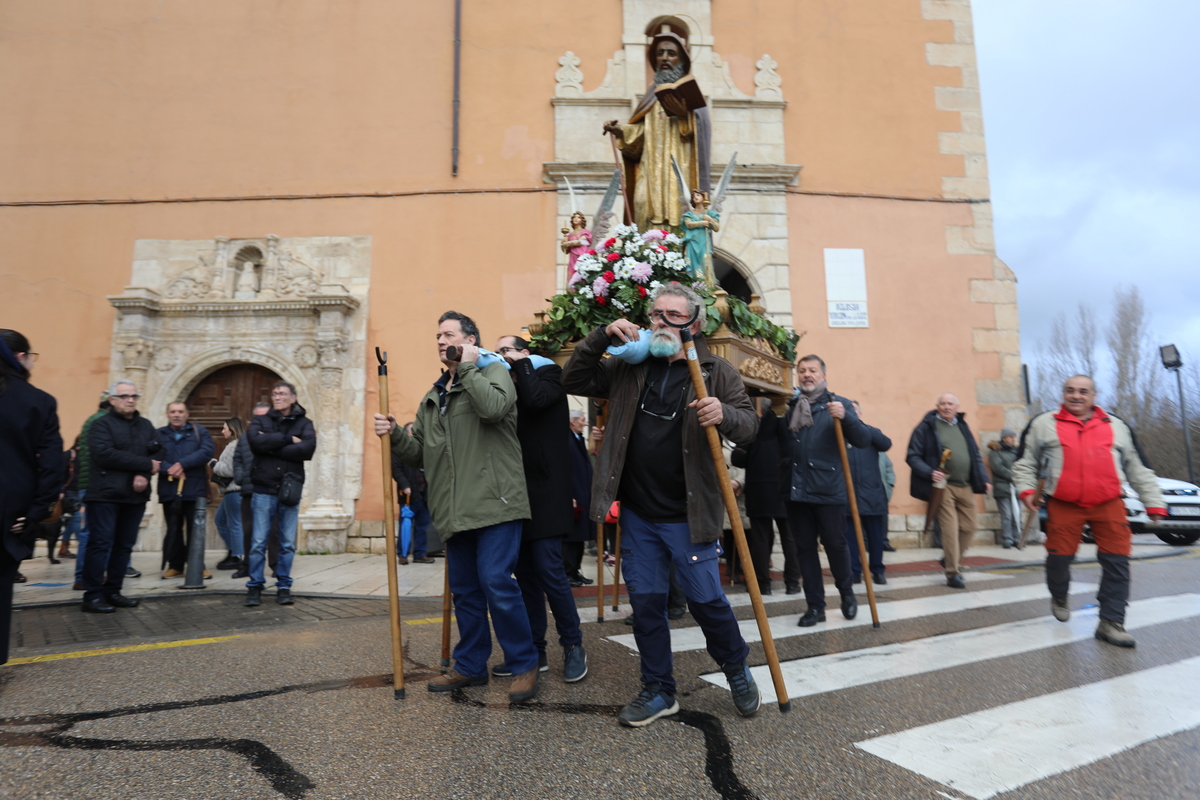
590, 375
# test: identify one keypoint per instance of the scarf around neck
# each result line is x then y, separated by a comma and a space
802, 414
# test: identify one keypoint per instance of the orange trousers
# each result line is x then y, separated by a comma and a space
1110, 528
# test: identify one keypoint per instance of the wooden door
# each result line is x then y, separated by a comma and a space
228, 392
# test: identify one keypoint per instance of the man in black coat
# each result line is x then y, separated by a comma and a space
964, 477
815, 485
281, 441
582, 529
542, 427
125, 452
764, 504
872, 502
31, 467
186, 451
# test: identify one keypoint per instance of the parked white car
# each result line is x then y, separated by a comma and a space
1182, 526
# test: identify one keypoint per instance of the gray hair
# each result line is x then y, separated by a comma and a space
576, 413
687, 293
112, 390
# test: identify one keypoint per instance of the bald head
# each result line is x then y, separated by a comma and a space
947, 406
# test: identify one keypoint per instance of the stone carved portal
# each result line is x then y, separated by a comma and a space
294, 306
754, 223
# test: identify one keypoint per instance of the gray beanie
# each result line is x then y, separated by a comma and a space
1006, 432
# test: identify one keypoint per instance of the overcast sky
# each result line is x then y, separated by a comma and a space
1092, 114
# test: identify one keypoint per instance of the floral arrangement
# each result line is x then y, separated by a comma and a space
617, 278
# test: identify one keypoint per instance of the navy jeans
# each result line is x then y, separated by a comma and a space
873, 526
113, 531
542, 579
808, 523
481, 564
648, 549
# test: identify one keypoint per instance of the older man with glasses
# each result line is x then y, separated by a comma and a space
124, 451
656, 461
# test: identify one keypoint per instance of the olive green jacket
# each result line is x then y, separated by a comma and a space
469, 451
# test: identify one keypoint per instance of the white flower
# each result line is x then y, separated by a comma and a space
671, 238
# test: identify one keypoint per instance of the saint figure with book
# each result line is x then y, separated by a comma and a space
671, 120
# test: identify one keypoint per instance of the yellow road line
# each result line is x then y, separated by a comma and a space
425, 621
110, 650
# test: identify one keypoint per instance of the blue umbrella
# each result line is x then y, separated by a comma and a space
406, 518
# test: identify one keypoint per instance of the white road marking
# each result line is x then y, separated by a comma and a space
836, 671
684, 639
1001, 749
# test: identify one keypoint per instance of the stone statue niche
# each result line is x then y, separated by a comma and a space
248, 274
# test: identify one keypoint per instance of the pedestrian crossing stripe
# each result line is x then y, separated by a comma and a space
692, 638
836, 671
1000, 749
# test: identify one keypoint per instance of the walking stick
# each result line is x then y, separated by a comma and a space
858, 534
735, 518
445, 608
389, 524
628, 210
600, 571
617, 570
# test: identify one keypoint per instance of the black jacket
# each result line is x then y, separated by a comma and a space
243, 464
924, 453
543, 423
582, 528
812, 462
868, 480
31, 460
119, 449
192, 450
760, 459
274, 451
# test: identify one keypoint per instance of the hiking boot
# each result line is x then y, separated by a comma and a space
574, 663
454, 680
253, 597
1062, 611
502, 669
648, 706
284, 597
1114, 633
745, 692
523, 687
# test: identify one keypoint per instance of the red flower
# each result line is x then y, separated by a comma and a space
611, 257
609, 277
641, 291
661, 249
610, 243
602, 301
665, 232
591, 252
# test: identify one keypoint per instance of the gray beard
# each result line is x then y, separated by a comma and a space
664, 345
669, 75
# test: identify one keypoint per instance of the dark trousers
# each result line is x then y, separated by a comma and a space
810, 523
248, 533
180, 519
572, 555
113, 531
762, 542
8, 573
542, 580
874, 526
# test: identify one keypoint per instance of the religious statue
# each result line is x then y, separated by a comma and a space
246, 283
671, 120
698, 225
575, 242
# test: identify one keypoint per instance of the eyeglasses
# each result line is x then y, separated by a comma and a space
504, 350
125, 397
32, 357
282, 394
649, 395
673, 316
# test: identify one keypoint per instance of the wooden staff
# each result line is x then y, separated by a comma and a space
628, 215
600, 571
936, 494
389, 524
735, 519
616, 606
858, 534
445, 606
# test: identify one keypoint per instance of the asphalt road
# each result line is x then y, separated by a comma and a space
957, 694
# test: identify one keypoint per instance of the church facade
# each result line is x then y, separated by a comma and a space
209, 197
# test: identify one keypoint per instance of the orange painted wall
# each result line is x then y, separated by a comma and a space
159, 99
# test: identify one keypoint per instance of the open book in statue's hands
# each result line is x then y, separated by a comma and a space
681, 97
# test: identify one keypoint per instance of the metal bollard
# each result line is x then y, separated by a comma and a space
193, 575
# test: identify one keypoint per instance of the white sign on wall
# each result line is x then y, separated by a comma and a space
846, 287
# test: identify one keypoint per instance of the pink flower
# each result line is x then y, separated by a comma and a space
599, 287
591, 252
653, 235
641, 272
609, 276
611, 257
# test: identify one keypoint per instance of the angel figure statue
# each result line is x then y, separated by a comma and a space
576, 241
698, 225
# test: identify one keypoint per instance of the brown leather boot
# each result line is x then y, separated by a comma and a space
454, 680
524, 686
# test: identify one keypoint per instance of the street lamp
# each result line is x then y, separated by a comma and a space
1172, 361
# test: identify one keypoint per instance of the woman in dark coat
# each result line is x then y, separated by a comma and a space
31, 469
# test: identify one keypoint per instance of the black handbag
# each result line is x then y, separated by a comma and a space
290, 489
